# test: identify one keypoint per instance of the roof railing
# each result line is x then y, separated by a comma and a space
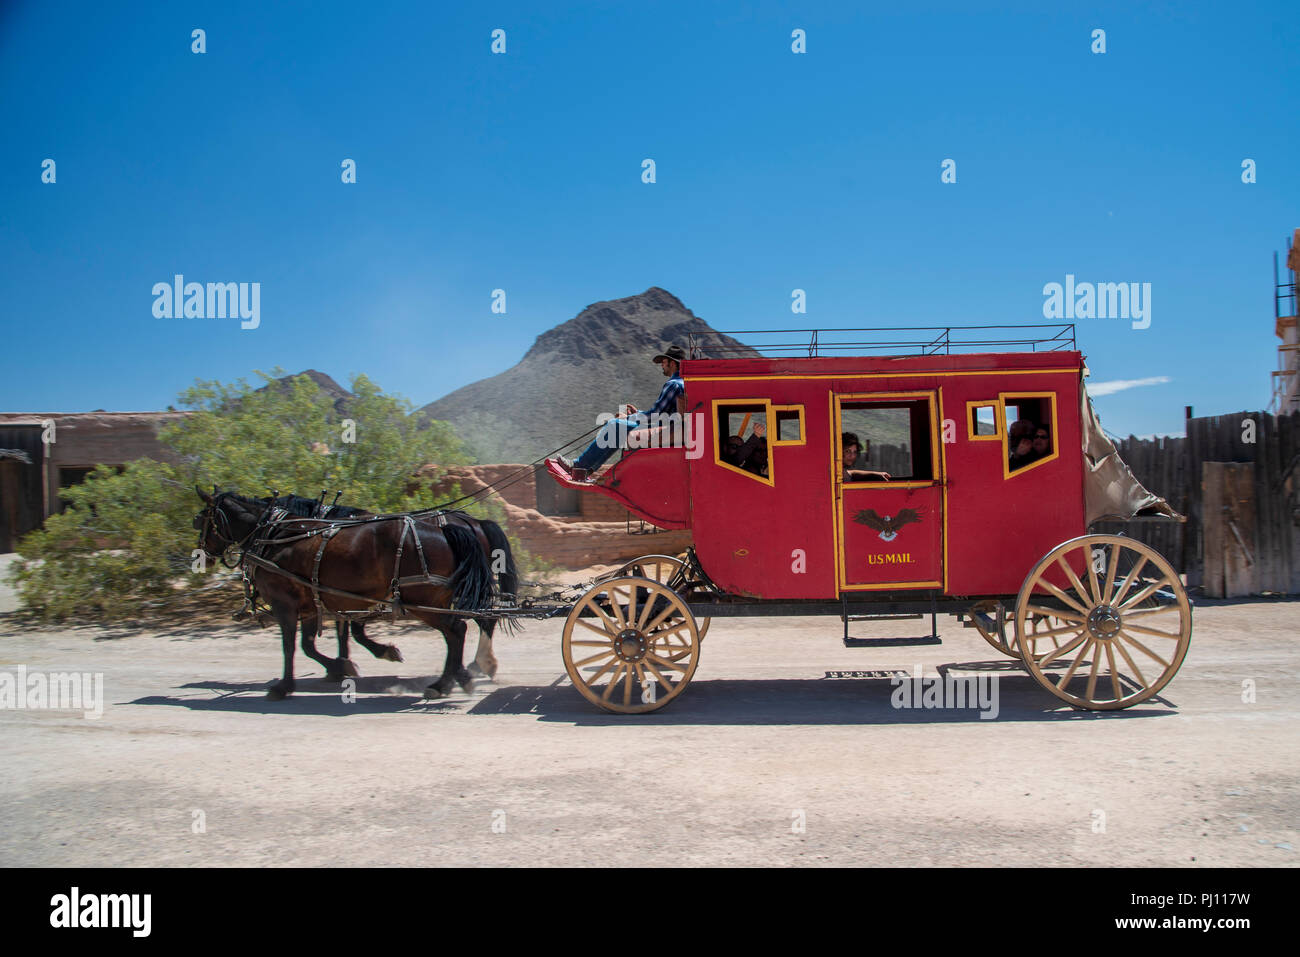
896, 340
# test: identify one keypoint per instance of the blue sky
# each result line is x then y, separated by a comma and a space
522, 171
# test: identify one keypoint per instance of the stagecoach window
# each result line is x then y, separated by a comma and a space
789, 424
983, 420
743, 434
1029, 416
897, 437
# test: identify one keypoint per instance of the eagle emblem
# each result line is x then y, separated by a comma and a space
886, 525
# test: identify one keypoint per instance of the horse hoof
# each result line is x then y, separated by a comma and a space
348, 669
475, 671
433, 692
279, 691
392, 654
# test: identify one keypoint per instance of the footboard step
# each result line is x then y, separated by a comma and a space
891, 642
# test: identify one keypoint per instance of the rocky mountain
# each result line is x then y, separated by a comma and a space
336, 393
590, 364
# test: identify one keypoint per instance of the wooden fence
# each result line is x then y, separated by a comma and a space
1264, 547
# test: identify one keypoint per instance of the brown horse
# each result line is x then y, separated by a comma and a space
435, 561
336, 669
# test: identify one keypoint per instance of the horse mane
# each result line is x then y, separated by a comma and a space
303, 507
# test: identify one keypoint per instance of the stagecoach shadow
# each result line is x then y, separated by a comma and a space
793, 701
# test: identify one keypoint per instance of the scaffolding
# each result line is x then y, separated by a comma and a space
1285, 385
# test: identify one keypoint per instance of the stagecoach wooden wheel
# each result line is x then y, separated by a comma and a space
1103, 622
667, 570
630, 645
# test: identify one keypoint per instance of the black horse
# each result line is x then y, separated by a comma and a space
336, 669
439, 561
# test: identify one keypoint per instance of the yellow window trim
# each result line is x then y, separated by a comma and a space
998, 426
803, 432
717, 440
1003, 398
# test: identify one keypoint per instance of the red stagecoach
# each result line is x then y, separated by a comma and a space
1101, 621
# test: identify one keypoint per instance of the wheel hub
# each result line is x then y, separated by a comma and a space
630, 645
1104, 622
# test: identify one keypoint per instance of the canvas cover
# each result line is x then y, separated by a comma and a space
1110, 490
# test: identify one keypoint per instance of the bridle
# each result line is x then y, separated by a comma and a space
216, 521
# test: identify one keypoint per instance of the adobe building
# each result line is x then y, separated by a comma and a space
43, 453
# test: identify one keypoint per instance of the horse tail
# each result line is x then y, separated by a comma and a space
503, 558
471, 583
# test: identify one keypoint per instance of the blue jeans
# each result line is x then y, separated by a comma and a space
612, 435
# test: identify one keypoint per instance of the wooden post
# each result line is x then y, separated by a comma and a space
1231, 556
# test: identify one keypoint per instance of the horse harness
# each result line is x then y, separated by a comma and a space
255, 554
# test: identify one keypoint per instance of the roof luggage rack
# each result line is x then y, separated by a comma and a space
896, 340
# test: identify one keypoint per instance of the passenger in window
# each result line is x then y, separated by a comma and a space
1042, 443
852, 448
1020, 442
749, 454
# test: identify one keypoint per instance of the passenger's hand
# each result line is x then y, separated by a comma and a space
760, 430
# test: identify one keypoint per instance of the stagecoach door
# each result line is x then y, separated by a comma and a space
889, 532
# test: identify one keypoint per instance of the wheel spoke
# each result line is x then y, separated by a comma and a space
1092, 576
617, 607
1056, 613
645, 613
1129, 579
613, 682
658, 677
662, 663
588, 625
1060, 650
1114, 678
1143, 648
1065, 680
1044, 583
1148, 612
596, 657
1145, 593
1131, 663
631, 606
611, 627
1050, 632
659, 619
597, 676
1092, 677
1112, 562
1151, 631
627, 687
1074, 579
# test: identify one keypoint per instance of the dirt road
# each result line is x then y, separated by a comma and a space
763, 760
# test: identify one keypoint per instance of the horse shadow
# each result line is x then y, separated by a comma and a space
376, 694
